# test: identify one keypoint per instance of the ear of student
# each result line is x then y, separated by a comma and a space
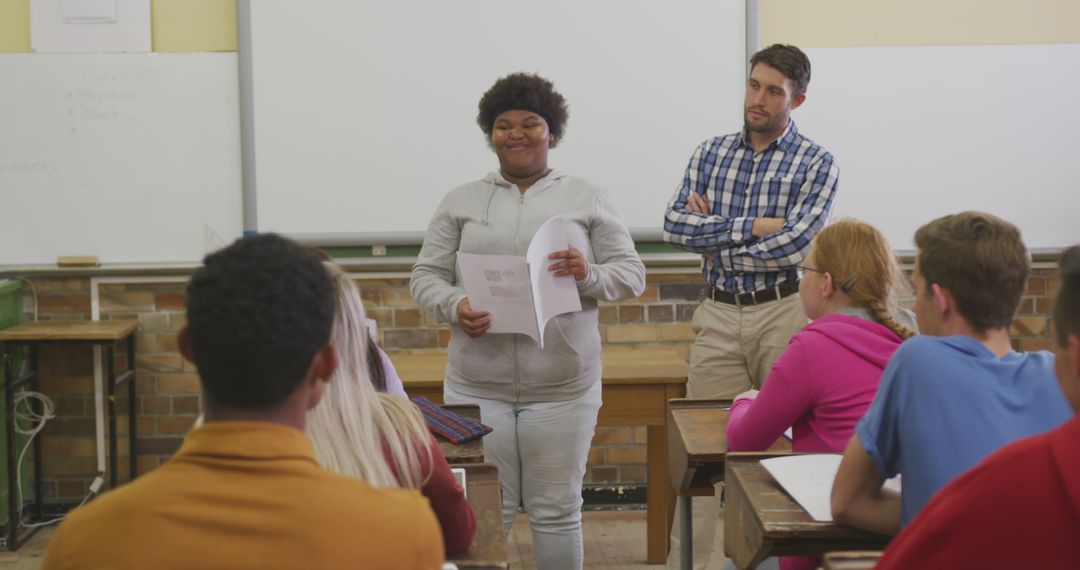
321, 371
827, 286
797, 100
325, 363
316, 392
943, 300
183, 341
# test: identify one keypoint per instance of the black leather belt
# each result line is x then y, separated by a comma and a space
754, 297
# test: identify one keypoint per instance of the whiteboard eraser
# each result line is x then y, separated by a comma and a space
77, 261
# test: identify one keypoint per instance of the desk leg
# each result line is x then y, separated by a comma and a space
9, 434
686, 533
661, 496
131, 406
110, 396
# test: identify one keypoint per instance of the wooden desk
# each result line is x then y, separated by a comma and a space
697, 446
488, 550
105, 334
469, 452
762, 520
851, 560
637, 384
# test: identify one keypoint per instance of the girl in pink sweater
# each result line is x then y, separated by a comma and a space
826, 378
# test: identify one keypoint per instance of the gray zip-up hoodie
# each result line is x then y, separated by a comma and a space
491, 216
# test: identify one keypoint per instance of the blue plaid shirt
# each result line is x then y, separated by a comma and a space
793, 178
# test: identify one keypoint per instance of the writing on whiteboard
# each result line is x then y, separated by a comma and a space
94, 128
106, 97
28, 167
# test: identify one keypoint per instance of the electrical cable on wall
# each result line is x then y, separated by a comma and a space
33, 294
30, 423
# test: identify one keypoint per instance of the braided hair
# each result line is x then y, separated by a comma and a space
860, 260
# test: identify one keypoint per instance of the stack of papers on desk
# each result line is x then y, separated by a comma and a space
809, 479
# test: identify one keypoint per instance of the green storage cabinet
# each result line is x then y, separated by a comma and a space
10, 314
10, 303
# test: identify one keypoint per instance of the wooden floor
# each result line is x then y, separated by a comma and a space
614, 540
29, 556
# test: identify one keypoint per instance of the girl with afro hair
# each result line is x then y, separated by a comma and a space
543, 404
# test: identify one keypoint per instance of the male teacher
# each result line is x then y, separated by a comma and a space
749, 203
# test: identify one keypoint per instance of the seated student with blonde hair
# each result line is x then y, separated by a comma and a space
1020, 507
379, 367
824, 381
244, 489
957, 392
378, 437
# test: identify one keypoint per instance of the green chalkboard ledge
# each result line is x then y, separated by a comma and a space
104, 270
654, 254
658, 257
401, 257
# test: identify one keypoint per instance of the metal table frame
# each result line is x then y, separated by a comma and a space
17, 534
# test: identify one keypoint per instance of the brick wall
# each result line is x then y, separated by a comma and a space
168, 387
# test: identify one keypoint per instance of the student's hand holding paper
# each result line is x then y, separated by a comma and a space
474, 323
573, 263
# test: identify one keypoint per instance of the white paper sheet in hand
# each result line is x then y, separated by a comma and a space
554, 295
521, 294
809, 479
500, 285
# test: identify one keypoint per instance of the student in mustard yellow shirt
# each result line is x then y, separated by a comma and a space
244, 490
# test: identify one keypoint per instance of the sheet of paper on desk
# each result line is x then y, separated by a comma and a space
809, 478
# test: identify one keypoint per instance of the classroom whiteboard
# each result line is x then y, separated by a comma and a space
129, 157
364, 113
920, 132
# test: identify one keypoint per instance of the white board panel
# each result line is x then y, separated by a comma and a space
920, 132
129, 157
365, 112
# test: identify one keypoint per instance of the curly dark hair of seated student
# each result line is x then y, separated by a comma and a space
1067, 305
526, 92
258, 313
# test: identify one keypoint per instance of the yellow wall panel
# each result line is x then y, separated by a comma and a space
177, 25
194, 25
828, 23
14, 25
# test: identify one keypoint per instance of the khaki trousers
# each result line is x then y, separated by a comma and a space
734, 350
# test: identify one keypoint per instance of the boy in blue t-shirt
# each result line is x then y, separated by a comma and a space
953, 396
